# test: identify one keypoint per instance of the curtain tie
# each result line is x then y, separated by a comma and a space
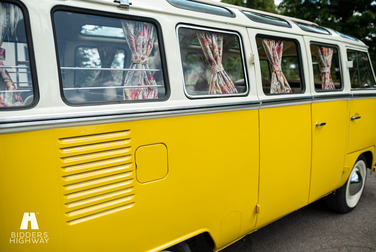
140, 59
216, 68
277, 71
325, 70
2, 53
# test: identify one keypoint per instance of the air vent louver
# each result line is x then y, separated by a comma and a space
97, 174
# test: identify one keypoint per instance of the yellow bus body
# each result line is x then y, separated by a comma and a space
149, 180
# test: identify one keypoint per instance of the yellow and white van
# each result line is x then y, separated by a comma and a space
138, 125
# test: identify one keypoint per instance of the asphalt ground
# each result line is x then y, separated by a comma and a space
317, 228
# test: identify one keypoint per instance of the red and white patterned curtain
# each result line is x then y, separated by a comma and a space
212, 47
107, 56
326, 56
273, 50
7, 99
140, 38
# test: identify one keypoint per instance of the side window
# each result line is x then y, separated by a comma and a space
16, 84
212, 63
361, 73
280, 64
107, 59
326, 67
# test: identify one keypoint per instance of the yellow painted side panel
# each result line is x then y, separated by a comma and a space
328, 146
230, 226
212, 172
81, 183
362, 131
285, 160
29, 184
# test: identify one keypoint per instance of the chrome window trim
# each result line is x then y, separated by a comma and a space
316, 43
241, 54
305, 85
107, 14
32, 63
357, 50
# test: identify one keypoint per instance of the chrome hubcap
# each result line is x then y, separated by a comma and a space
356, 183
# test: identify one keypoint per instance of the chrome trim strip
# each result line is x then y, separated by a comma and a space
93, 116
286, 100
354, 94
25, 121
331, 96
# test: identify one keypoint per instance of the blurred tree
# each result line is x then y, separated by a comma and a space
263, 5
352, 17
89, 57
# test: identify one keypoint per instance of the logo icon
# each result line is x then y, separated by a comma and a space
29, 217
29, 237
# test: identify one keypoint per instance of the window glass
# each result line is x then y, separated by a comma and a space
265, 70
120, 61
312, 28
212, 63
102, 31
266, 19
201, 7
16, 86
280, 65
361, 73
89, 57
347, 36
326, 67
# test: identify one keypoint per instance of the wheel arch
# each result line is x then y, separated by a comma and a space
196, 240
351, 159
369, 157
202, 242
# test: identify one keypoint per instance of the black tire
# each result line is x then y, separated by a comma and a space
180, 247
346, 198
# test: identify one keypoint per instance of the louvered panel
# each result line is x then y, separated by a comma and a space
97, 175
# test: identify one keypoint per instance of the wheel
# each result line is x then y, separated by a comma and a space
345, 199
180, 247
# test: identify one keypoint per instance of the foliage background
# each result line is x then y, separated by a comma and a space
265, 5
356, 18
